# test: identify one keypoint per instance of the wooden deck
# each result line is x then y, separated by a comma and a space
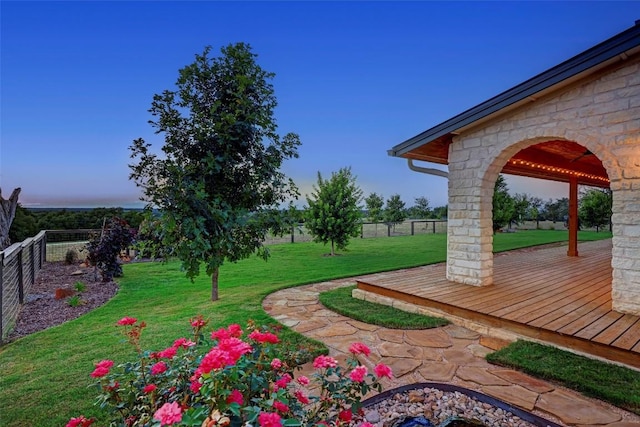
538, 293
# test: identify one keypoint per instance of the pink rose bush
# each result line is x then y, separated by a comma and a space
230, 377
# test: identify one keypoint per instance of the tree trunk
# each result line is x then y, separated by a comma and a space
214, 284
332, 250
7, 213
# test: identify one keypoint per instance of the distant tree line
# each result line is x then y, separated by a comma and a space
594, 208
28, 222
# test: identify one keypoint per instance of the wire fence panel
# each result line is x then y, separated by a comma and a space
19, 265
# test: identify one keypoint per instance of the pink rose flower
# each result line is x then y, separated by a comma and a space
183, 342
169, 413
149, 388
127, 321
281, 407
358, 374
235, 397
366, 424
198, 322
264, 337
102, 368
283, 381
215, 359
80, 421
383, 370
220, 334
266, 419
322, 362
302, 380
158, 368
345, 415
276, 363
234, 348
168, 353
359, 348
235, 330
302, 398
195, 386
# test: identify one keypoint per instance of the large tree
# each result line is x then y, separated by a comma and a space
503, 205
218, 183
333, 215
595, 208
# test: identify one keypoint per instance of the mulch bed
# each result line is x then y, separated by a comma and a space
42, 310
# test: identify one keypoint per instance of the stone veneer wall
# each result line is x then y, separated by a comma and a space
601, 114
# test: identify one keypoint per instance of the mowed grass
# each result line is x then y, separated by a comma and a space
614, 384
44, 378
341, 301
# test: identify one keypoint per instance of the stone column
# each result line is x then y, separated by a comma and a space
469, 225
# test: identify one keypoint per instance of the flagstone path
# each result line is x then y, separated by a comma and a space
451, 354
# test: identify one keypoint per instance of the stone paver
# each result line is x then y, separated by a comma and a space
572, 409
452, 354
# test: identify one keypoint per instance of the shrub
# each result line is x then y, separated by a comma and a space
233, 379
70, 257
80, 286
104, 248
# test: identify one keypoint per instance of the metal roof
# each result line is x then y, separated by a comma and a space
617, 48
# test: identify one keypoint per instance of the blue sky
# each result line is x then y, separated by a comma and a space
352, 79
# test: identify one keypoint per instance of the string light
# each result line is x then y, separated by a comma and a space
554, 169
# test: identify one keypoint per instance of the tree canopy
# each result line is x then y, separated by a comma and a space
333, 215
394, 212
595, 208
218, 183
503, 205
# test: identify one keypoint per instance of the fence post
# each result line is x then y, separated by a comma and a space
434, 227
412, 227
43, 249
33, 263
293, 232
362, 230
20, 278
388, 230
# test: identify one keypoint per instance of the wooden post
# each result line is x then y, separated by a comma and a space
572, 250
412, 227
20, 278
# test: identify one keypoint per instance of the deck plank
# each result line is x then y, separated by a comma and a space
537, 293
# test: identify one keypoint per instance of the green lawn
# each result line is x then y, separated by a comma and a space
341, 301
617, 385
44, 378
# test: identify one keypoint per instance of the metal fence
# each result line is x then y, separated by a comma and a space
19, 265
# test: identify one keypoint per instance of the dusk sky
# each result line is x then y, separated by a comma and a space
353, 79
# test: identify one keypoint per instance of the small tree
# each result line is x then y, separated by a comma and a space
503, 206
395, 213
105, 247
595, 208
521, 205
420, 210
333, 215
374, 204
219, 186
